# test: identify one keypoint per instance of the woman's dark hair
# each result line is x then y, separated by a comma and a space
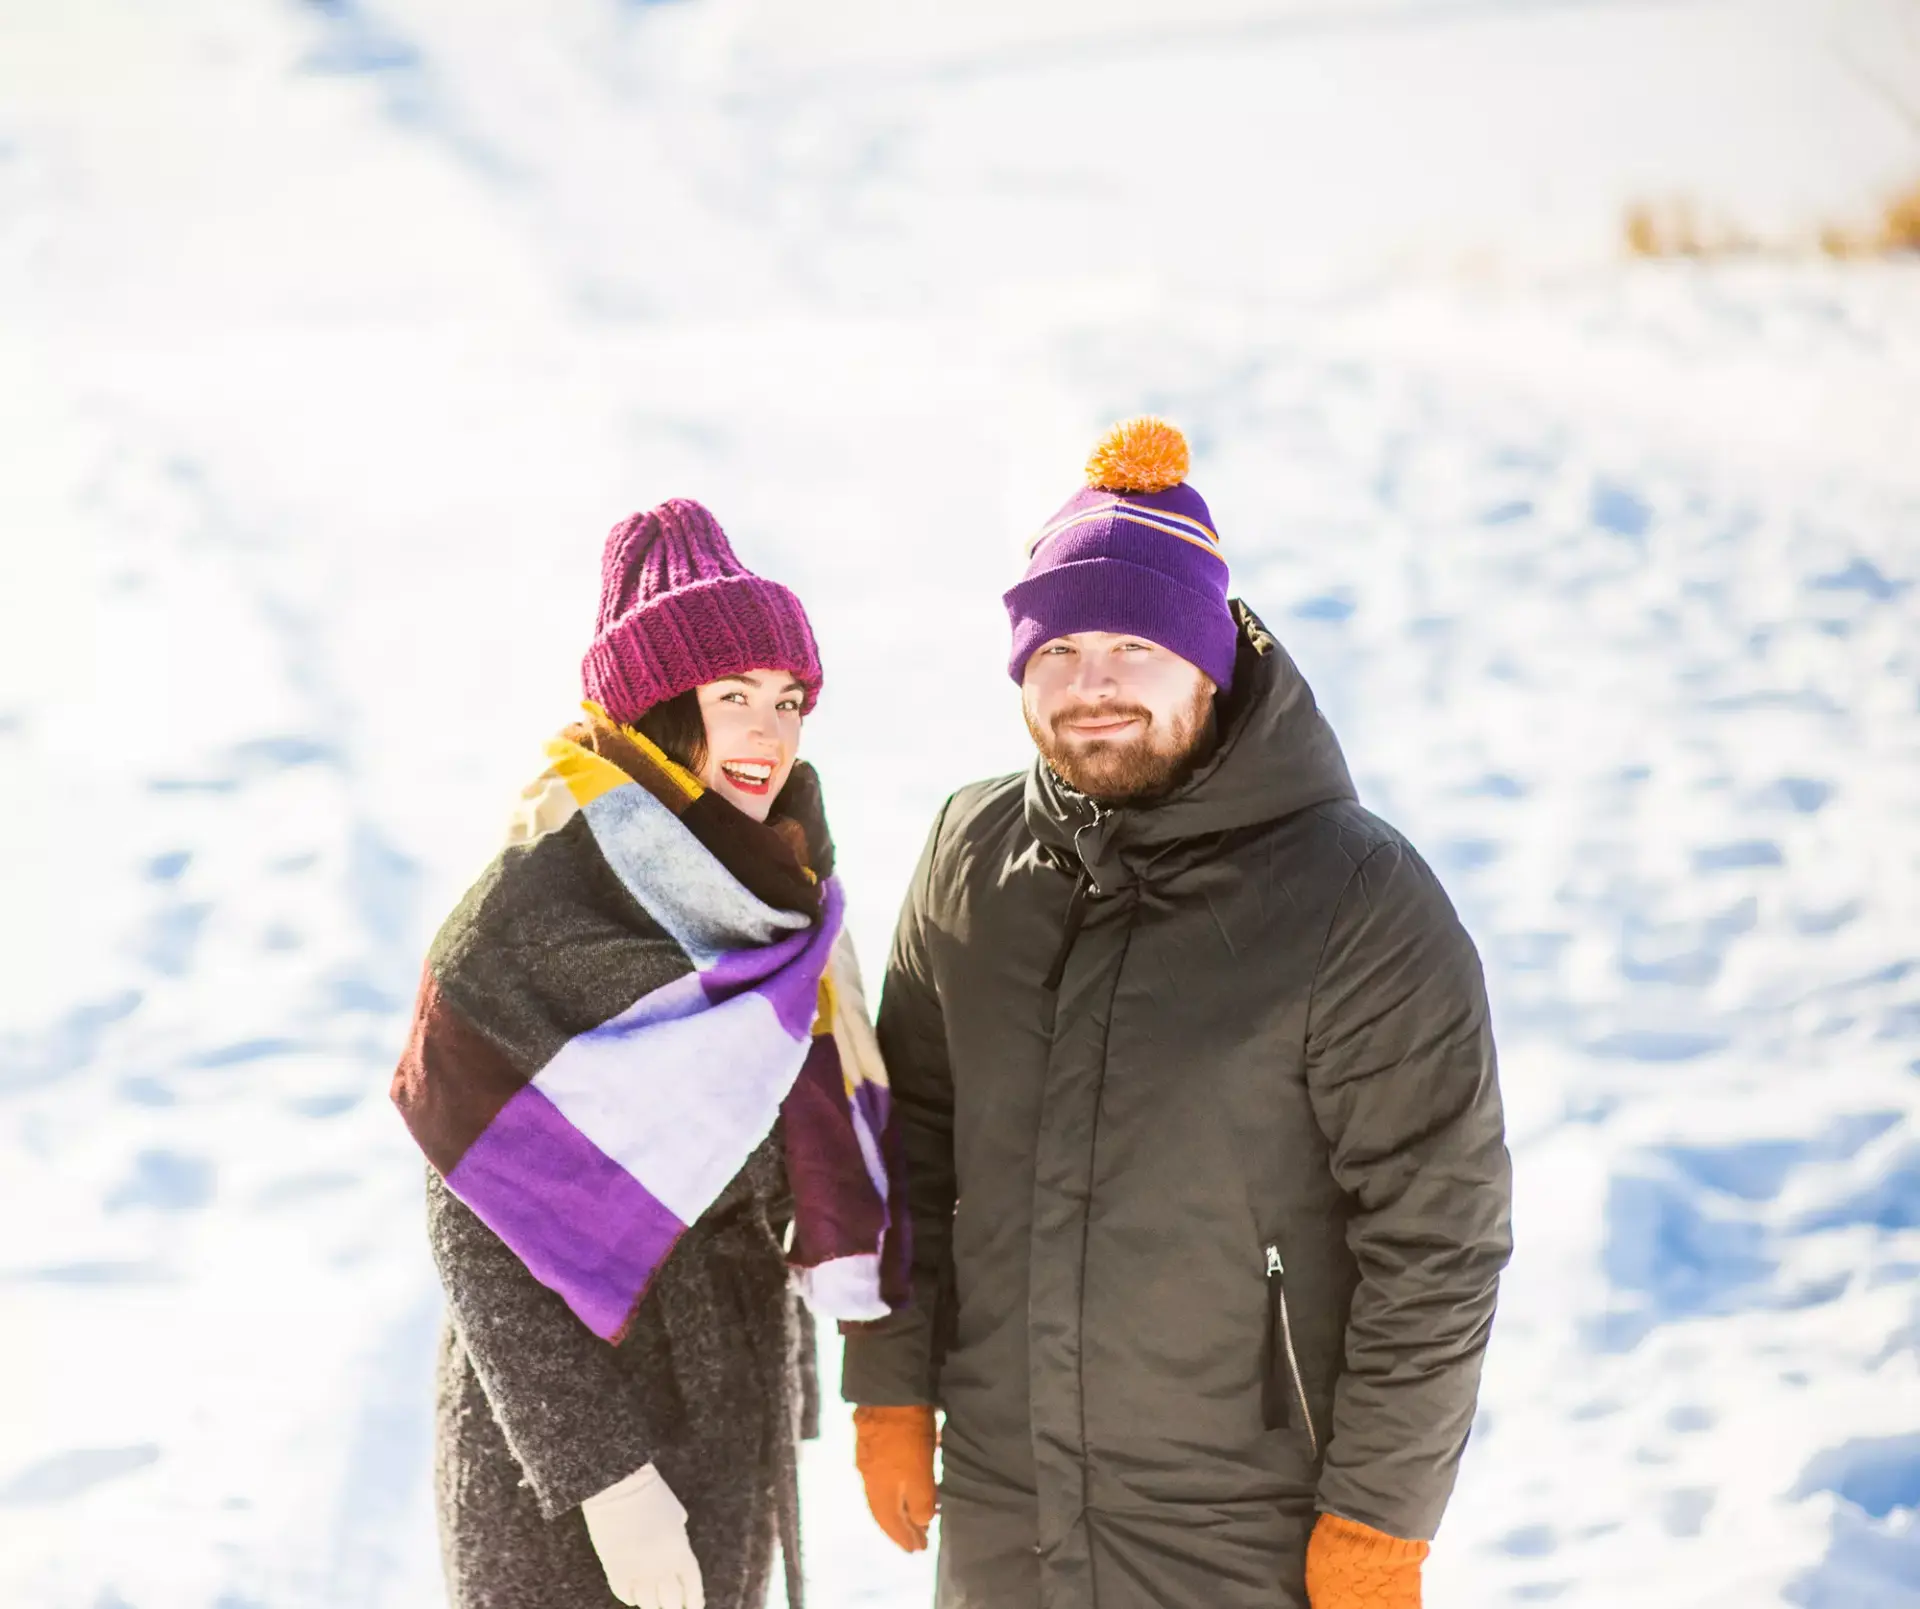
678, 729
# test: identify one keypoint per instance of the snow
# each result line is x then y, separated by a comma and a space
336, 334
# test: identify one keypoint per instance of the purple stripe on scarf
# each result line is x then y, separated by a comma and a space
872, 1106
546, 1190
787, 973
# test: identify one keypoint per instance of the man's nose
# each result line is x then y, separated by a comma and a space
1093, 678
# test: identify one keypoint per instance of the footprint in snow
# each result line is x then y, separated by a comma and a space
168, 1180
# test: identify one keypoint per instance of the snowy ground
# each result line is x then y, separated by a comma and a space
334, 335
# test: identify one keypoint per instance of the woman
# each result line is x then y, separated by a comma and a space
639, 1065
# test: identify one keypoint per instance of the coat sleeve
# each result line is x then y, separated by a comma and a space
567, 1408
1400, 1066
893, 1361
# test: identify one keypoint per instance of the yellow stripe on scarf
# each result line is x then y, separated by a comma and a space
575, 776
829, 1003
586, 776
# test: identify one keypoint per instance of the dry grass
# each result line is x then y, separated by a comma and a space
1678, 228
1900, 225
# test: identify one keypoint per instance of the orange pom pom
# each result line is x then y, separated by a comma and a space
1139, 455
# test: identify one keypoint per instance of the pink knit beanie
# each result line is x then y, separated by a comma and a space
678, 610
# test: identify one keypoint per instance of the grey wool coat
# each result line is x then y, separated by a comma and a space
1207, 1171
713, 1384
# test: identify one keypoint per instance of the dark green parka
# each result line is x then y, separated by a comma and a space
1207, 1171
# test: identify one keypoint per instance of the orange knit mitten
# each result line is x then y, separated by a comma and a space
893, 1448
1353, 1566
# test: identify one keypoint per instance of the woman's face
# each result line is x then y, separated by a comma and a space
753, 737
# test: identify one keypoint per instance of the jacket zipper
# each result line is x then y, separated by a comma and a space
1277, 1280
1084, 884
1070, 930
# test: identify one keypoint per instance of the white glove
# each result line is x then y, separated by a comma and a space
639, 1530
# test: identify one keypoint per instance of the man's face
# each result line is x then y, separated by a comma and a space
1119, 718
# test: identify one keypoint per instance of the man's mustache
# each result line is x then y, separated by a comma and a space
1099, 712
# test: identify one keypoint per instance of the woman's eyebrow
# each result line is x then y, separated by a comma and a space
745, 679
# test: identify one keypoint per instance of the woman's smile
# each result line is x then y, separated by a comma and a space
752, 777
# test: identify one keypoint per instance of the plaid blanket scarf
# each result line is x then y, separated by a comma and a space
614, 1017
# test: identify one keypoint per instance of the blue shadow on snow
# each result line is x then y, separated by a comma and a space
1873, 1553
1620, 509
1685, 1235
66, 1476
166, 1180
1863, 576
68, 1046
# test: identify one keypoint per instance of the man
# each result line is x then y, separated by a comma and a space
1204, 1144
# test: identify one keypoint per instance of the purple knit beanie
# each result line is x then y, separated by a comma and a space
678, 610
1134, 552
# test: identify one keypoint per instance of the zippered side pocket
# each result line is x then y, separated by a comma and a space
1283, 1392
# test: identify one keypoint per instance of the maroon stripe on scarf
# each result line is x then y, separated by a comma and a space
836, 1212
761, 855
452, 1080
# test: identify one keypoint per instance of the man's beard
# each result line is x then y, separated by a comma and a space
1132, 770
